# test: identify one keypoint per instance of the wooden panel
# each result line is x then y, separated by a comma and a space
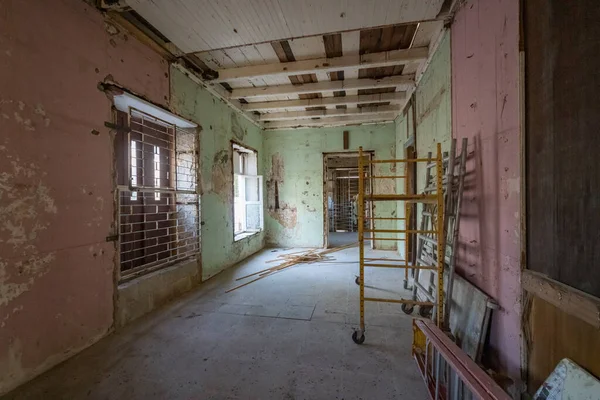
568, 299
200, 25
557, 335
333, 48
285, 54
384, 39
562, 125
469, 317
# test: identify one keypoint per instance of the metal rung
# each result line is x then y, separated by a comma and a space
427, 239
384, 230
405, 197
398, 266
399, 161
386, 219
385, 177
425, 291
430, 261
377, 238
401, 301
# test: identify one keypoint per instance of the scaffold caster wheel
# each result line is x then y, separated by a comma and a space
425, 311
357, 280
407, 308
356, 339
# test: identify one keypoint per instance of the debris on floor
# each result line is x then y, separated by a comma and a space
291, 259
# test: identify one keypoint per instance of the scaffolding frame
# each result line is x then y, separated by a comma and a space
435, 196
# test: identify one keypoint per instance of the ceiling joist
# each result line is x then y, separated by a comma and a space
323, 65
266, 106
292, 115
403, 82
335, 121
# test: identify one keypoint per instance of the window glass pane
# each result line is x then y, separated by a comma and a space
251, 164
238, 205
134, 166
252, 189
237, 162
253, 217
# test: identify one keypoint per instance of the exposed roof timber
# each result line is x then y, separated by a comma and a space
372, 60
393, 98
402, 82
200, 25
335, 121
292, 115
218, 91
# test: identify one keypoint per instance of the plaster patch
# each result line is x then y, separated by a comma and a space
222, 176
25, 203
277, 171
238, 131
287, 216
510, 186
31, 269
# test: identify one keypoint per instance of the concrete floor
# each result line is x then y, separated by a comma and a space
337, 239
285, 337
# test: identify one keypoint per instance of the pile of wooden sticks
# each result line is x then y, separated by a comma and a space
289, 260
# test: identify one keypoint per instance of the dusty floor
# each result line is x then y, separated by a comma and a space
285, 337
337, 239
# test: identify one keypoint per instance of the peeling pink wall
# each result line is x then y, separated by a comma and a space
56, 201
485, 74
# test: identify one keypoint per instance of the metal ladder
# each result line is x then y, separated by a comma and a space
453, 184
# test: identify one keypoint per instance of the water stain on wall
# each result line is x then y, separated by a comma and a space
222, 175
236, 128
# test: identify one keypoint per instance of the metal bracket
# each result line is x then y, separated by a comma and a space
118, 128
112, 238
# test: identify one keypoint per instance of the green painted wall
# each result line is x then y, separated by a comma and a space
403, 130
293, 160
433, 109
220, 124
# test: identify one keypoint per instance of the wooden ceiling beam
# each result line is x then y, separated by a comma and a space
332, 64
335, 121
392, 98
292, 115
403, 82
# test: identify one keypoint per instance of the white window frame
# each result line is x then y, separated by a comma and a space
241, 202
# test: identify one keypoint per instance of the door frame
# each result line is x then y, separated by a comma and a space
326, 157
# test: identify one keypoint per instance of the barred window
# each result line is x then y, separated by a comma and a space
158, 201
247, 193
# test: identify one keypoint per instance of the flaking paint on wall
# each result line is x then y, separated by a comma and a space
56, 269
219, 125
294, 159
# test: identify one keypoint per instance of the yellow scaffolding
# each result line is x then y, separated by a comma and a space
434, 196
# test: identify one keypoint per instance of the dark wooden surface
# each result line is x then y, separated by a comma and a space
562, 43
557, 335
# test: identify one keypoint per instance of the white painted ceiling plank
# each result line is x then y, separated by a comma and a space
324, 65
202, 25
351, 46
343, 120
338, 112
309, 48
404, 82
